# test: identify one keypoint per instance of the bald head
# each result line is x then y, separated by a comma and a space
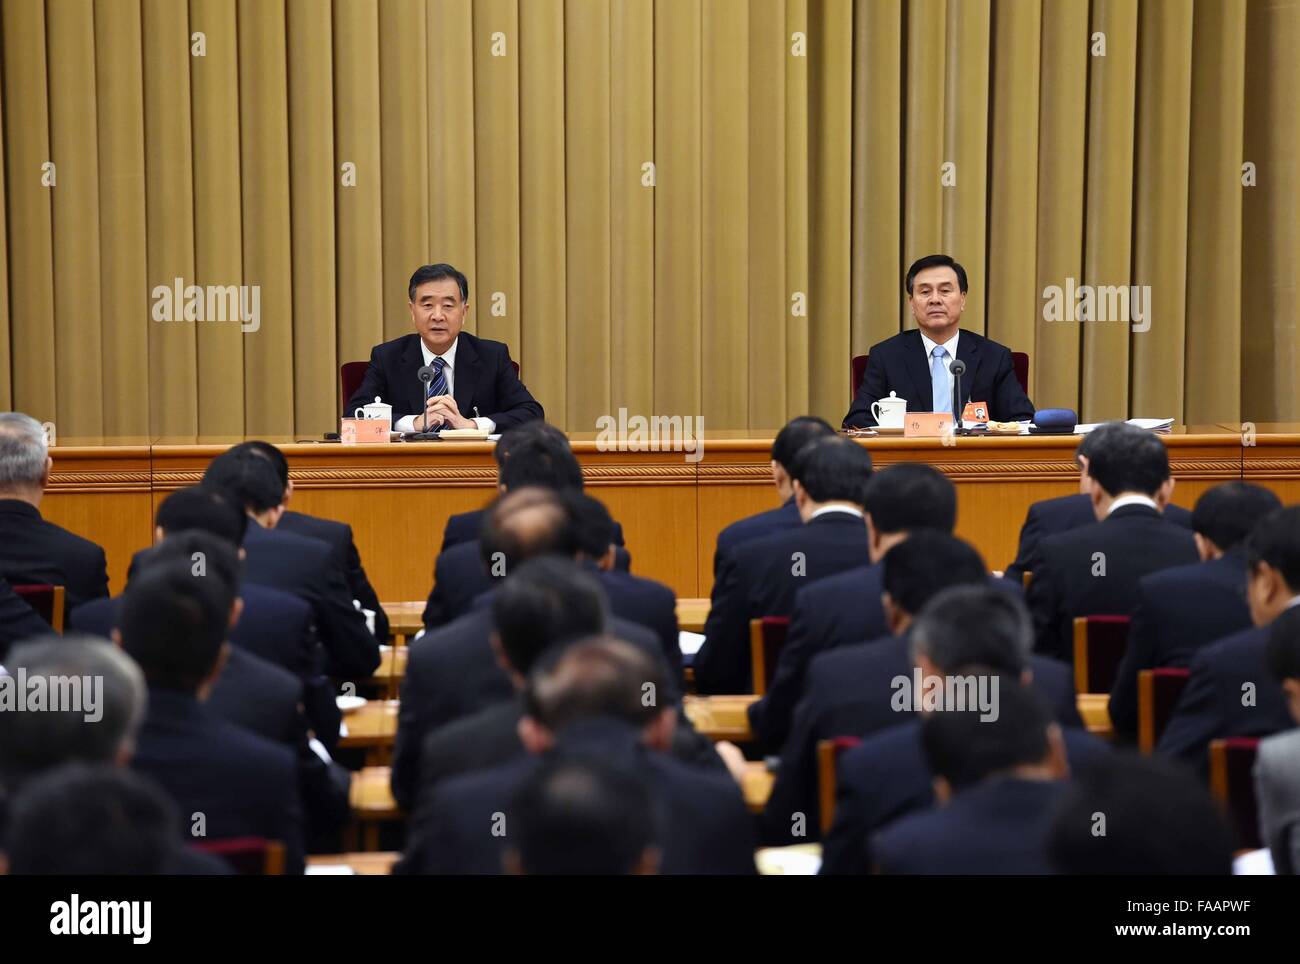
524, 524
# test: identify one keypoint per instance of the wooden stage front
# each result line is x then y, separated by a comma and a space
397, 497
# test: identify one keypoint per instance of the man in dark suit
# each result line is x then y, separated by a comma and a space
797, 433
916, 365
587, 700
1230, 691
1277, 763
1179, 610
474, 384
18, 620
845, 608
227, 781
33, 550
1047, 517
829, 489
996, 781
1095, 570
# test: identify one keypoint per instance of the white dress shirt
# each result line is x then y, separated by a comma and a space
837, 508
412, 423
1124, 500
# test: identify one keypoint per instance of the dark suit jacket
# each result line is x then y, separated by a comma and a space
848, 693
887, 777
703, 825
1179, 610
242, 784
484, 378
899, 364
1050, 516
1211, 705
459, 577
785, 516
338, 536
1133, 541
998, 826
18, 621
35, 551
761, 581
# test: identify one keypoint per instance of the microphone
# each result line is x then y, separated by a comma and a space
958, 369
426, 376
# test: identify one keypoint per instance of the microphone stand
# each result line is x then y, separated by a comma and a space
958, 369
424, 435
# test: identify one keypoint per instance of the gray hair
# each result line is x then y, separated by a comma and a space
974, 626
23, 450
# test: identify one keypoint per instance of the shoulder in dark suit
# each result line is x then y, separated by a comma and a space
1178, 611
459, 577
1094, 570
338, 536
647, 603
785, 516
762, 581
484, 379
259, 696
480, 741
1212, 706
899, 365
18, 621
33, 550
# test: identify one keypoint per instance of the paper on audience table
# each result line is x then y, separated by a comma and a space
689, 643
1254, 863
1151, 424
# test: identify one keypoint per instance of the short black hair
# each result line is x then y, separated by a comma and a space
1089, 442
927, 562
536, 453
974, 625
797, 433
909, 496
833, 469
252, 479
936, 261
1275, 541
964, 746
582, 815
1128, 459
437, 272
1282, 652
79, 820
593, 526
595, 677
522, 524
204, 552
206, 507
1158, 820
1227, 513
547, 602
267, 451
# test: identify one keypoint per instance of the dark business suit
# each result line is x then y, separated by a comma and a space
338, 536
900, 365
459, 577
241, 784
33, 550
703, 825
887, 777
1211, 706
18, 621
785, 516
762, 581
1066, 512
1179, 610
848, 693
483, 378
1132, 542
998, 826
479, 741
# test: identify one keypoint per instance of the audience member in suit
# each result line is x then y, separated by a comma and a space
885, 777
1230, 691
1277, 764
851, 690
997, 778
18, 620
1094, 570
846, 608
1157, 820
830, 476
32, 550
337, 535
226, 781
583, 815
797, 433
102, 731
296, 564
1181, 609
587, 700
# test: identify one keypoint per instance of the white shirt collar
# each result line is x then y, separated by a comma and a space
1291, 604
449, 356
836, 508
950, 346
1132, 500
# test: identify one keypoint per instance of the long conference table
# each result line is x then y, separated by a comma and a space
671, 504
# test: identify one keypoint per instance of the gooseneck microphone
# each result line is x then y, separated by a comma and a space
958, 369
426, 376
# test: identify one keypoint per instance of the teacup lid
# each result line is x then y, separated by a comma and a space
379, 401
891, 395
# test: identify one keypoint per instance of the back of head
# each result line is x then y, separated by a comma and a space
593, 526
909, 496
80, 820
23, 452
205, 507
926, 563
832, 469
1282, 652
1227, 513
1275, 542
95, 704
523, 524
967, 746
1132, 814
580, 815
974, 625
536, 454
1125, 458
249, 477
266, 450
797, 433
205, 553
598, 677
546, 602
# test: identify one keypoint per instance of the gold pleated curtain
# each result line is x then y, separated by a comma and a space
669, 206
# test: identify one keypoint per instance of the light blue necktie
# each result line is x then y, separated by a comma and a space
940, 380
